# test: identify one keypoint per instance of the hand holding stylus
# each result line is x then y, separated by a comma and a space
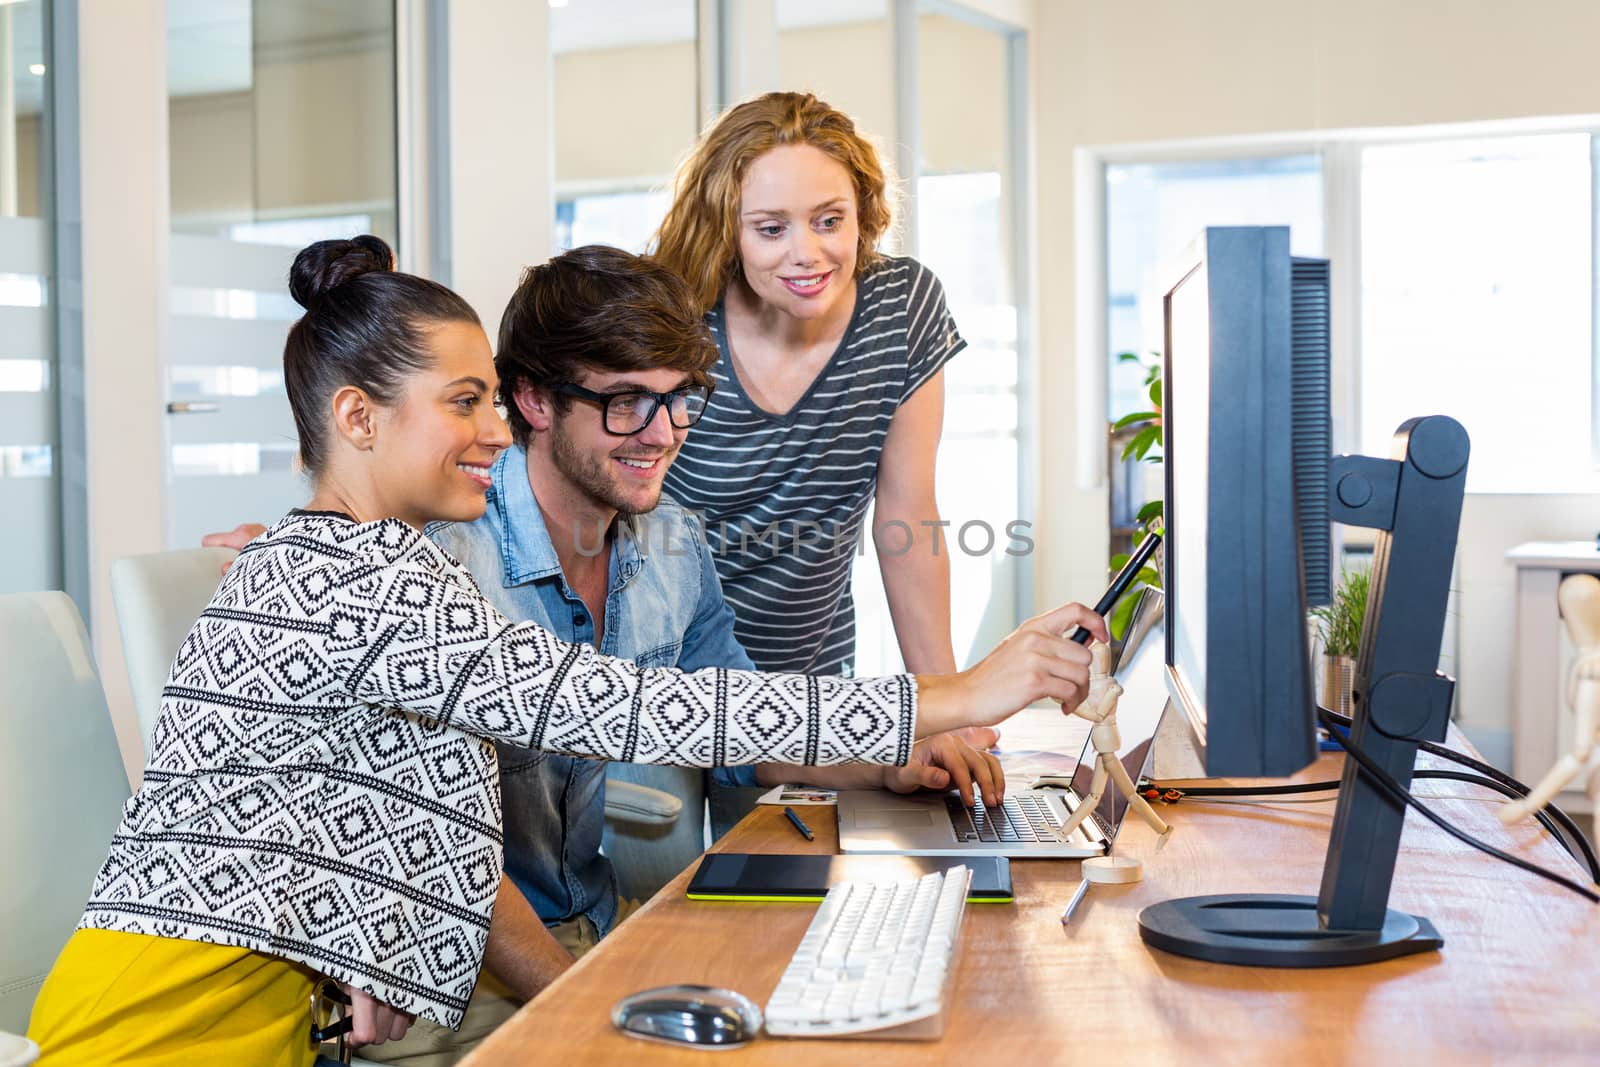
1119, 585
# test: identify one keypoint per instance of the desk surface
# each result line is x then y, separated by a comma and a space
1515, 981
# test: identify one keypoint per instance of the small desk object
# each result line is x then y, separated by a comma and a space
1513, 984
1538, 705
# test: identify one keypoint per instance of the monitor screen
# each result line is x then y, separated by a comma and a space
1185, 454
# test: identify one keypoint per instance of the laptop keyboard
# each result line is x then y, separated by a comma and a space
1019, 818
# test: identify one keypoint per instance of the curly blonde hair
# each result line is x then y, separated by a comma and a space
699, 237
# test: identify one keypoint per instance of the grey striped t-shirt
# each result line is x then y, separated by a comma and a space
784, 495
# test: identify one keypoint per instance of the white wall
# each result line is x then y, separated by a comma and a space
1172, 69
123, 112
501, 177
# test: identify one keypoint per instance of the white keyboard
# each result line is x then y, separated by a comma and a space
877, 955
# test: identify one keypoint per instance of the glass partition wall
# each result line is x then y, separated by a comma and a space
959, 211
282, 132
620, 65
968, 221
30, 470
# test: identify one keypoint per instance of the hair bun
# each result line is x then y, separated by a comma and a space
326, 265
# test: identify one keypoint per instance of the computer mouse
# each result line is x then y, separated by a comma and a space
689, 1015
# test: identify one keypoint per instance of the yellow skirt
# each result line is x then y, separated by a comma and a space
118, 998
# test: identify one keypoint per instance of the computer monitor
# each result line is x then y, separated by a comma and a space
1242, 465
1233, 424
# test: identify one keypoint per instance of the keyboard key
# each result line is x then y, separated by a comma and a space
875, 957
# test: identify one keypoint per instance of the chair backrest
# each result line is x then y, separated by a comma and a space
646, 855
62, 787
158, 598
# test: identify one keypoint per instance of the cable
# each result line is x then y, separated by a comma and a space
1542, 816
1574, 834
1161, 789
1171, 794
1397, 792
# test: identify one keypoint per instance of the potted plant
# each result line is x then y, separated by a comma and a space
1339, 624
1141, 433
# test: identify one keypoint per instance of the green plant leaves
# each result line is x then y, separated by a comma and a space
1340, 622
1144, 447
1142, 442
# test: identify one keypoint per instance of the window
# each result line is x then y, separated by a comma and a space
1153, 210
1477, 302
966, 231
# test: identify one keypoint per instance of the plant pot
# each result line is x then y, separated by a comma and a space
1338, 683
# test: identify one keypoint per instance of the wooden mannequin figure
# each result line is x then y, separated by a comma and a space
1579, 597
1100, 706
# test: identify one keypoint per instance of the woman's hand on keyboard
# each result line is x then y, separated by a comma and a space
945, 761
1036, 662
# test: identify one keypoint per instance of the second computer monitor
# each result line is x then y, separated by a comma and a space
1237, 655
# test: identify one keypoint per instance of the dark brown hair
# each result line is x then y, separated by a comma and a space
365, 325
596, 308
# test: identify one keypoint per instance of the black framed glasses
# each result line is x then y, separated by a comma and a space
626, 413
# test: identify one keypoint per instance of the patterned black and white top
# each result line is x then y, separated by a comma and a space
321, 784
784, 495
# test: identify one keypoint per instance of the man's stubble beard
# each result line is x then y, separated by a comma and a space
593, 477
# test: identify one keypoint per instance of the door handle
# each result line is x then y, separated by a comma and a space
191, 407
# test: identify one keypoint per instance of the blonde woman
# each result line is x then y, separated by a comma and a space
830, 391
830, 387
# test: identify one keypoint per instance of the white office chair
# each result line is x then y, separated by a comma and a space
650, 848
62, 787
158, 598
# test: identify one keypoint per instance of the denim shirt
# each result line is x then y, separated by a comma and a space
664, 608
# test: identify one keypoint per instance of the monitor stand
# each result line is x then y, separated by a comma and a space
1400, 700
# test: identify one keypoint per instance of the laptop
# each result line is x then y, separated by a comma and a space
938, 824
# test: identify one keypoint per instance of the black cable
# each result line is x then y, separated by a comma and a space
1398, 792
1576, 835
1172, 794
1541, 815
1240, 790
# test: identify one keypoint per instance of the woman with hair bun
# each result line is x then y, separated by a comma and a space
320, 815
830, 390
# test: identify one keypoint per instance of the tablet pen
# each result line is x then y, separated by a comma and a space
1072, 905
799, 823
1120, 583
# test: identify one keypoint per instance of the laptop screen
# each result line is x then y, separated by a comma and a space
1140, 670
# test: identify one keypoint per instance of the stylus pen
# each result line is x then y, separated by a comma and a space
1072, 905
799, 823
1120, 583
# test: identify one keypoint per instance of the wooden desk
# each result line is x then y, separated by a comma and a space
1515, 983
